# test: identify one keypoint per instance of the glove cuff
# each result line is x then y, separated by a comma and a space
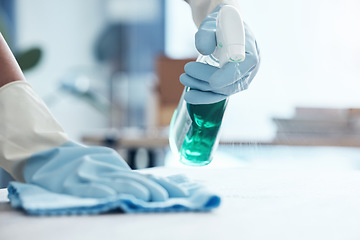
27, 127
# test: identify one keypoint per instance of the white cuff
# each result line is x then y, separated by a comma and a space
201, 8
27, 127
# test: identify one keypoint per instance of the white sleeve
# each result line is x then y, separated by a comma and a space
201, 8
26, 127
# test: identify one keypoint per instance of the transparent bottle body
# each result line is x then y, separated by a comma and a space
194, 128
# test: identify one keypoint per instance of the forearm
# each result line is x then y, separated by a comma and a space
9, 68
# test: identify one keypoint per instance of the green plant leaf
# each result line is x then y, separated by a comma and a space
29, 58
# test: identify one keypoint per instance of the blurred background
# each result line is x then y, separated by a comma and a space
108, 70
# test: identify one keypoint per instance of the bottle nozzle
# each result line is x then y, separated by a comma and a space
230, 36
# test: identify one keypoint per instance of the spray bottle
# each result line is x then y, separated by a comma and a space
194, 128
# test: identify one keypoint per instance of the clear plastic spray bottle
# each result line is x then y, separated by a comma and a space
194, 128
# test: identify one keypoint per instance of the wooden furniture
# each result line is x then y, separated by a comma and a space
169, 87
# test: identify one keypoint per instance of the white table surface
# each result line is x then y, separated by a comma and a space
258, 202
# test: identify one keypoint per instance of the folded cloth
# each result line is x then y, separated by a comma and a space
36, 200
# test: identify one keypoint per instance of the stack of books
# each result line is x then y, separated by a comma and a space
320, 126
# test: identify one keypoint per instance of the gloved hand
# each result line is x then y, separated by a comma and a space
95, 172
210, 84
35, 149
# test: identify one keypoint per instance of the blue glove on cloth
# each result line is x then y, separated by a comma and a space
39, 201
74, 179
62, 177
210, 84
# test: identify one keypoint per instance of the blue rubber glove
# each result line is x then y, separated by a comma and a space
95, 172
62, 177
210, 84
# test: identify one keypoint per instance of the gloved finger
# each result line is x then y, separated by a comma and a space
94, 179
231, 72
201, 71
184, 182
100, 172
104, 188
250, 45
173, 188
200, 97
252, 58
157, 192
106, 157
110, 156
238, 86
88, 189
193, 83
126, 186
205, 38
225, 76
256, 58
92, 169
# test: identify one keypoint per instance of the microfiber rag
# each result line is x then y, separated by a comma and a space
35, 200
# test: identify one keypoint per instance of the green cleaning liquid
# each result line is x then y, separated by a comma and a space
201, 139
194, 131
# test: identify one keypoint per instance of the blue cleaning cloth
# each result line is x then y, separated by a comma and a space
35, 200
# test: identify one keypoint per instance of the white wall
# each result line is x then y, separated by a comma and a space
66, 31
180, 30
310, 57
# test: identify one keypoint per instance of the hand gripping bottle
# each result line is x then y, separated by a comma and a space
194, 128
